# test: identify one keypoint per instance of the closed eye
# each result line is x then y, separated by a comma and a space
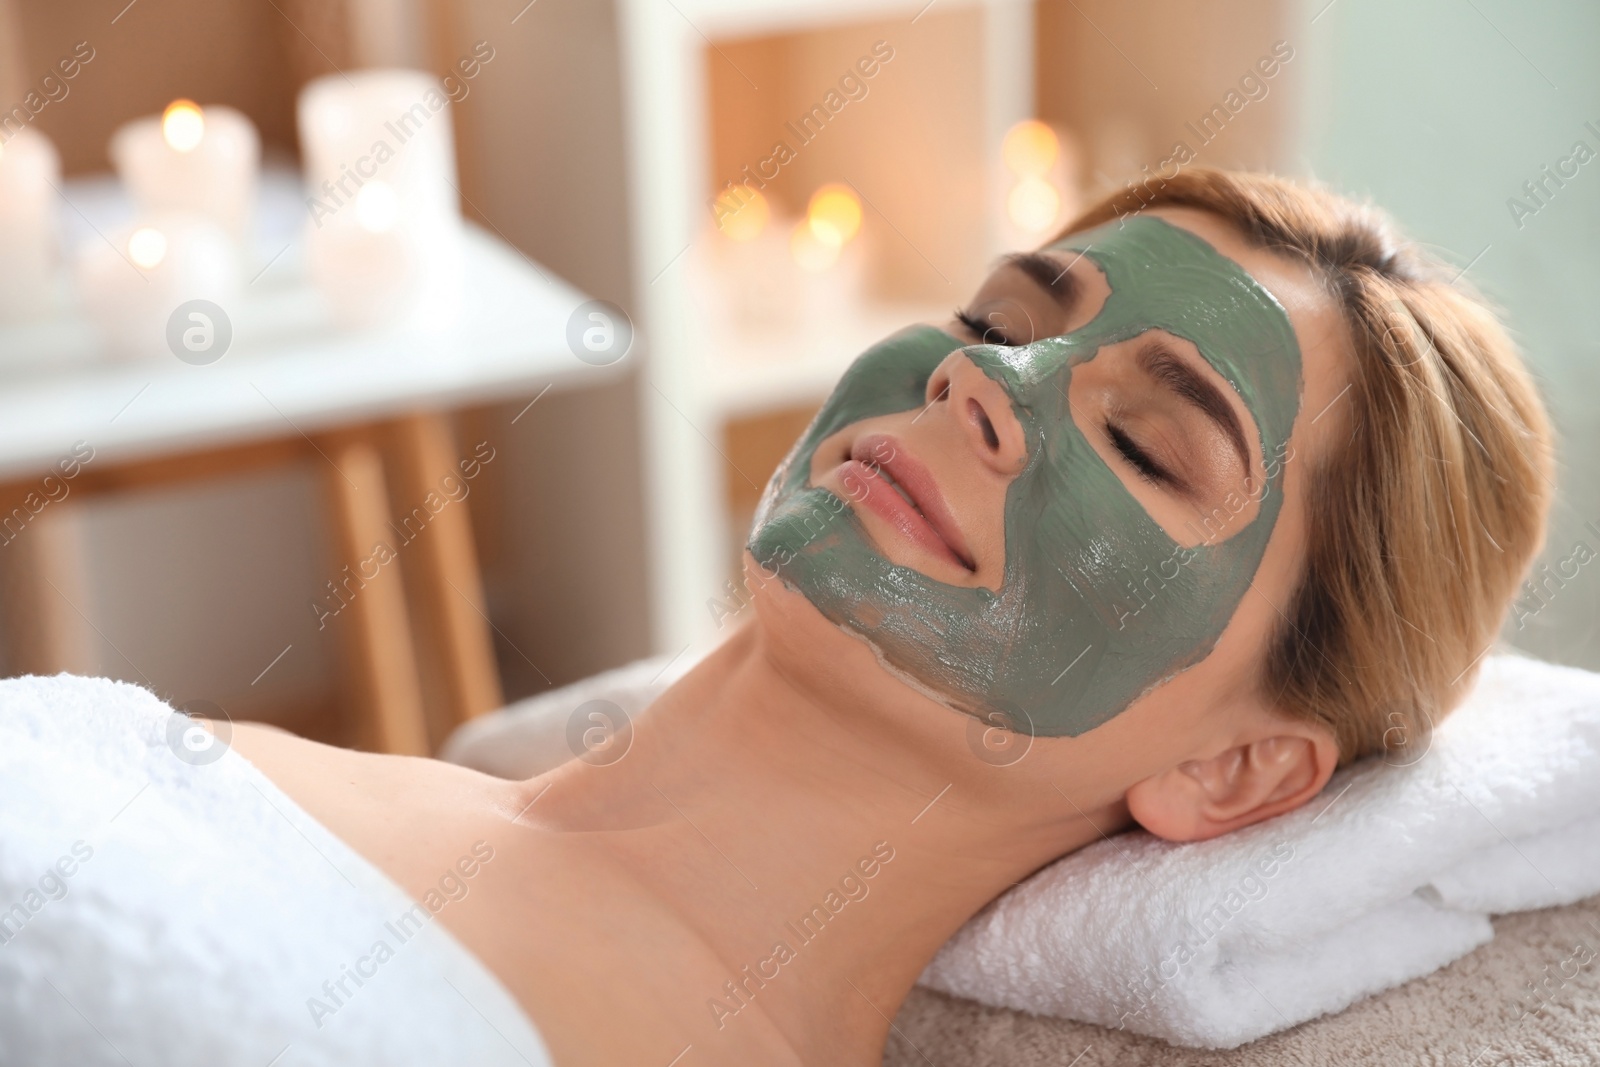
1139, 459
986, 334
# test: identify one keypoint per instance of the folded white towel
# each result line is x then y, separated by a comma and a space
158, 911
1389, 875
1538, 871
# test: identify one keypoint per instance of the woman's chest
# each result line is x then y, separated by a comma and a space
607, 972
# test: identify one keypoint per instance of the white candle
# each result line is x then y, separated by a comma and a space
202, 160
134, 279
383, 237
30, 173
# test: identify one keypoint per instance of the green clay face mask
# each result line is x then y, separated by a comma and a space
1098, 604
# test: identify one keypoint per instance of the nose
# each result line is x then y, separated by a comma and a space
981, 410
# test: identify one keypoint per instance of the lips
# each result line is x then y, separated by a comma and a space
883, 477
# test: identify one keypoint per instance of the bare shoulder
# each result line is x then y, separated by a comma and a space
311, 770
568, 931
407, 815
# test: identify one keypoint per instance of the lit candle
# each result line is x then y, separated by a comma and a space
30, 172
135, 278
834, 214
192, 159
833, 218
383, 238
1040, 165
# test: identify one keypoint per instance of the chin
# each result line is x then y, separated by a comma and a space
794, 631
820, 657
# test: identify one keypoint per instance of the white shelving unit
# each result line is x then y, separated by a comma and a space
689, 389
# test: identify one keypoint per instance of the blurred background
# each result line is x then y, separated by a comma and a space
761, 188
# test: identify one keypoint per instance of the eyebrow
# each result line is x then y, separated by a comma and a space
1050, 275
1162, 364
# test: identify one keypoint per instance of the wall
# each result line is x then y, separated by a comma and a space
1441, 111
194, 592
567, 581
231, 52
924, 106
1127, 79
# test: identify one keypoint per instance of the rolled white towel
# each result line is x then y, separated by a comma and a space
158, 910
1387, 876
1541, 870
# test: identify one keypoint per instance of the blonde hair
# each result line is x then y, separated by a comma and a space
1428, 511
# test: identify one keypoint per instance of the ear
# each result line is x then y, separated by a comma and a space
1254, 780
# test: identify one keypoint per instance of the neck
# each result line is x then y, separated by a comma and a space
823, 863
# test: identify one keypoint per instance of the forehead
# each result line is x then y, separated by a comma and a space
1314, 312
1164, 277
1320, 329
1291, 282
1294, 284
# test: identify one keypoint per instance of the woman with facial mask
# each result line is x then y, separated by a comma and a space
1225, 487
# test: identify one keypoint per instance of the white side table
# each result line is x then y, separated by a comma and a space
370, 412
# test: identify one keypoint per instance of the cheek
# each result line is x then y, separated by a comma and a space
1284, 561
1091, 396
1092, 400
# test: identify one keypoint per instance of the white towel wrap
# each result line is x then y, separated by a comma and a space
155, 911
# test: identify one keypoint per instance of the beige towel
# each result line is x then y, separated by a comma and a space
1480, 1011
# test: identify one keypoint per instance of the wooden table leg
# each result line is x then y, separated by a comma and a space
368, 590
442, 567
46, 588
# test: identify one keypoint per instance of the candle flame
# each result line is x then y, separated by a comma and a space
834, 214
1030, 148
183, 125
147, 247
